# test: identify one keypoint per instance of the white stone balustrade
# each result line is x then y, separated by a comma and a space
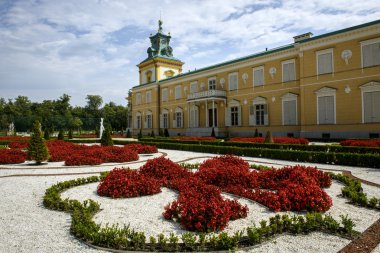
207, 94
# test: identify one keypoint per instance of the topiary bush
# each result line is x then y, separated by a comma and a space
106, 139
37, 149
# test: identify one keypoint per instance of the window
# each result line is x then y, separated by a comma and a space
212, 83
148, 120
164, 120
138, 120
233, 114
325, 62
148, 97
326, 105
178, 92
289, 109
165, 95
178, 118
371, 53
193, 87
371, 102
258, 76
165, 117
258, 112
138, 98
288, 71
233, 81
194, 116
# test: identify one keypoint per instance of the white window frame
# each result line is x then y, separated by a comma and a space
368, 87
162, 121
138, 98
178, 110
178, 92
148, 95
253, 76
193, 87
148, 120
165, 95
214, 83
286, 98
194, 109
326, 92
261, 101
295, 71
237, 80
227, 120
325, 51
366, 43
138, 120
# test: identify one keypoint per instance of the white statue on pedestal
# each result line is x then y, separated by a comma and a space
101, 130
11, 129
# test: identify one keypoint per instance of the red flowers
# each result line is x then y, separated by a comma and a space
12, 156
283, 140
194, 138
200, 206
361, 143
127, 183
18, 145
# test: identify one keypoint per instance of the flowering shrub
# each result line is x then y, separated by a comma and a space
18, 145
200, 206
141, 148
127, 183
194, 138
12, 156
361, 143
283, 140
82, 159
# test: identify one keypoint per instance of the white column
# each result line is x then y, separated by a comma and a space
206, 125
213, 116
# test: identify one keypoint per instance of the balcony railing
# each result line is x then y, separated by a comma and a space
207, 94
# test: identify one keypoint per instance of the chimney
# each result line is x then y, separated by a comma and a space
302, 37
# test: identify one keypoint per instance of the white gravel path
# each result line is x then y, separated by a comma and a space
26, 226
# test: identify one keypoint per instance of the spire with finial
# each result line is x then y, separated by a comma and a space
160, 25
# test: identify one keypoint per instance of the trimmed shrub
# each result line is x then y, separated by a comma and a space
37, 149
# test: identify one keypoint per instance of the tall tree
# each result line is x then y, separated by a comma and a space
37, 149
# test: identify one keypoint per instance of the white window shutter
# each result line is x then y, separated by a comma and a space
239, 116
145, 121
321, 110
330, 110
182, 116
136, 125
196, 117
252, 120
266, 116
228, 116
174, 121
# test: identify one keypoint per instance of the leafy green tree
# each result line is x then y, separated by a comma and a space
46, 134
106, 139
37, 149
70, 134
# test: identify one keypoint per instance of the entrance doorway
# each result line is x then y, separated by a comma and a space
212, 121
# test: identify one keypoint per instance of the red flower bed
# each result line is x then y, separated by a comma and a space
74, 154
12, 156
14, 138
18, 145
200, 206
194, 138
142, 148
283, 140
361, 143
127, 183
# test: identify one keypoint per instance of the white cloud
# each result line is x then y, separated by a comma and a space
52, 47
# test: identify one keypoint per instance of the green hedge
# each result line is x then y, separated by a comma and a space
351, 159
320, 148
125, 238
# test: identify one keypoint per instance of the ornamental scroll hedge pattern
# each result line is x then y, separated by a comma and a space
200, 205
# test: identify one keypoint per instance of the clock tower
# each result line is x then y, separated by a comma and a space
160, 63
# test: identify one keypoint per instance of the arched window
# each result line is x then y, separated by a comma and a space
148, 119
138, 120
233, 113
258, 112
194, 116
164, 119
178, 118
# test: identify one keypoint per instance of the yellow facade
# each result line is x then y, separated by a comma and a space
323, 86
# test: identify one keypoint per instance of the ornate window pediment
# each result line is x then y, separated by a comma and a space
259, 100
289, 96
370, 86
325, 91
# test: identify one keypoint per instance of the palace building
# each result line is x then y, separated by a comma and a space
326, 86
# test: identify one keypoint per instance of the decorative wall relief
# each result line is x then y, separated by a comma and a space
245, 77
222, 81
346, 55
272, 72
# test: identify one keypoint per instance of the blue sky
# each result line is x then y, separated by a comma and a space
51, 47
